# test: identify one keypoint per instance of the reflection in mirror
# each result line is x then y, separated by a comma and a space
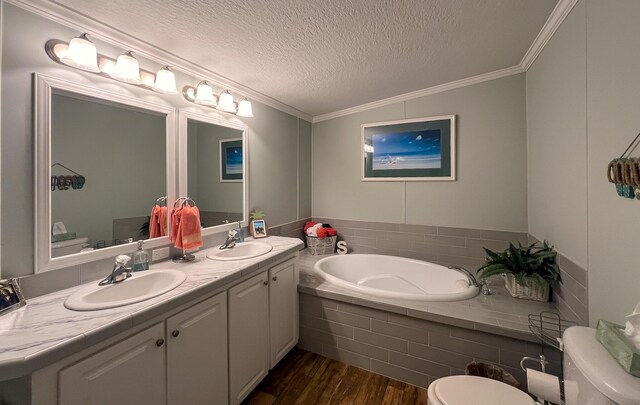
108, 168
102, 159
215, 157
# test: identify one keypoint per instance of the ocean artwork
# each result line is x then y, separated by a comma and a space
407, 150
234, 160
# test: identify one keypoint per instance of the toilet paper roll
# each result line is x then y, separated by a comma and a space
544, 386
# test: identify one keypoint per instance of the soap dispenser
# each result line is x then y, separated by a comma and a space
141, 258
240, 232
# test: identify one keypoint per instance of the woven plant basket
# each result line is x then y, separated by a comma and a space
532, 290
323, 246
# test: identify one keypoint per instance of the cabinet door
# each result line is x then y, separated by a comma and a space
197, 354
283, 309
248, 336
130, 372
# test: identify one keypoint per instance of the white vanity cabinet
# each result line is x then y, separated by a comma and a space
129, 372
263, 326
248, 335
180, 361
197, 354
283, 309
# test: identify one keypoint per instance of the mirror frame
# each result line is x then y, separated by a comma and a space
44, 86
234, 123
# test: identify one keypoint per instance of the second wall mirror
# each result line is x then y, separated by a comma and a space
213, 169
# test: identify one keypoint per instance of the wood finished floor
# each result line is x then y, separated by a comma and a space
303, 377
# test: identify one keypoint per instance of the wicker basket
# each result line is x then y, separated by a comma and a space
532, 290
323, 246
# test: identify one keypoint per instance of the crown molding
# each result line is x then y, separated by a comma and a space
557, 16
497, 74
83, 23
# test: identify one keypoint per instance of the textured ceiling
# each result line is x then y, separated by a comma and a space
324, 56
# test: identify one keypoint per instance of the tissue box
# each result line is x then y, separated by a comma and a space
615, 341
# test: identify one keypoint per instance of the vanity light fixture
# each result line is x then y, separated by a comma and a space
244, 108
225, 102
165, 81
82, 54
204, 94
127, 69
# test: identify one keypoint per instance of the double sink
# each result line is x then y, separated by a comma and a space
145, 285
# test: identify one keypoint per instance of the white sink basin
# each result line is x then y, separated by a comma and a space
243, 250
139, 287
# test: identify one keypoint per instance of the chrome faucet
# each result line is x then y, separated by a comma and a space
231, 240
472, 279
119, 272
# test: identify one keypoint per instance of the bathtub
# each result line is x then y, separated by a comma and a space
395, 277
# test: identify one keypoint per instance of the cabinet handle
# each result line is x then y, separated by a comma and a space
159, 342
175, 333
265, 282
275, 278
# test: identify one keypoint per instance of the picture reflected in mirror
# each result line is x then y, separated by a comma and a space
215, 172
109, 165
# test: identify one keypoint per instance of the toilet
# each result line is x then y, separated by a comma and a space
591, 375
68, 247
467, 389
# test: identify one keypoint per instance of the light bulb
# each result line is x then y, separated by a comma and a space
244, 108
165, 81
127, 69
81, 54
225, 102
204, 94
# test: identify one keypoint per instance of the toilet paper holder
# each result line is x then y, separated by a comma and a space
542, 360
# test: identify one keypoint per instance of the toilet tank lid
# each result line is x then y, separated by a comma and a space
70, 242
597, 365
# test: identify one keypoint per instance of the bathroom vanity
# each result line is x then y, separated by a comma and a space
210, 340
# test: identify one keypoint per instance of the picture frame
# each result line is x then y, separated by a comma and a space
418, 149
231, 160
11, 297
258, 228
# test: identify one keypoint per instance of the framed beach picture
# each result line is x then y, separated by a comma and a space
231, 160
420, 149
10, 296
258, 228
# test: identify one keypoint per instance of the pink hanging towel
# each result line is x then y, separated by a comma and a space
154, 229
190, 228
162, 220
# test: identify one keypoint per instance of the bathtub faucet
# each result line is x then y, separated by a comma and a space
472, 279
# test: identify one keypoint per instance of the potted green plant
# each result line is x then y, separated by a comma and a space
529, 271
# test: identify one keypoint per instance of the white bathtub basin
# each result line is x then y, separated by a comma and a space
243, 250
139, 287
395, 277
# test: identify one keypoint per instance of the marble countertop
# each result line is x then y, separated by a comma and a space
498, 313
44, 331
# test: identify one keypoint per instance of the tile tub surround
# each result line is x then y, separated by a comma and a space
437, 244
48, 282
462, 247
45, 331
572, 296
416, 342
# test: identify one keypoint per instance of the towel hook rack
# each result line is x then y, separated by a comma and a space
183, 200
161, 200
185, 257
75, 182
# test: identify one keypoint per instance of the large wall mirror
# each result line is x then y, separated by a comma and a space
103, 160
213, 167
